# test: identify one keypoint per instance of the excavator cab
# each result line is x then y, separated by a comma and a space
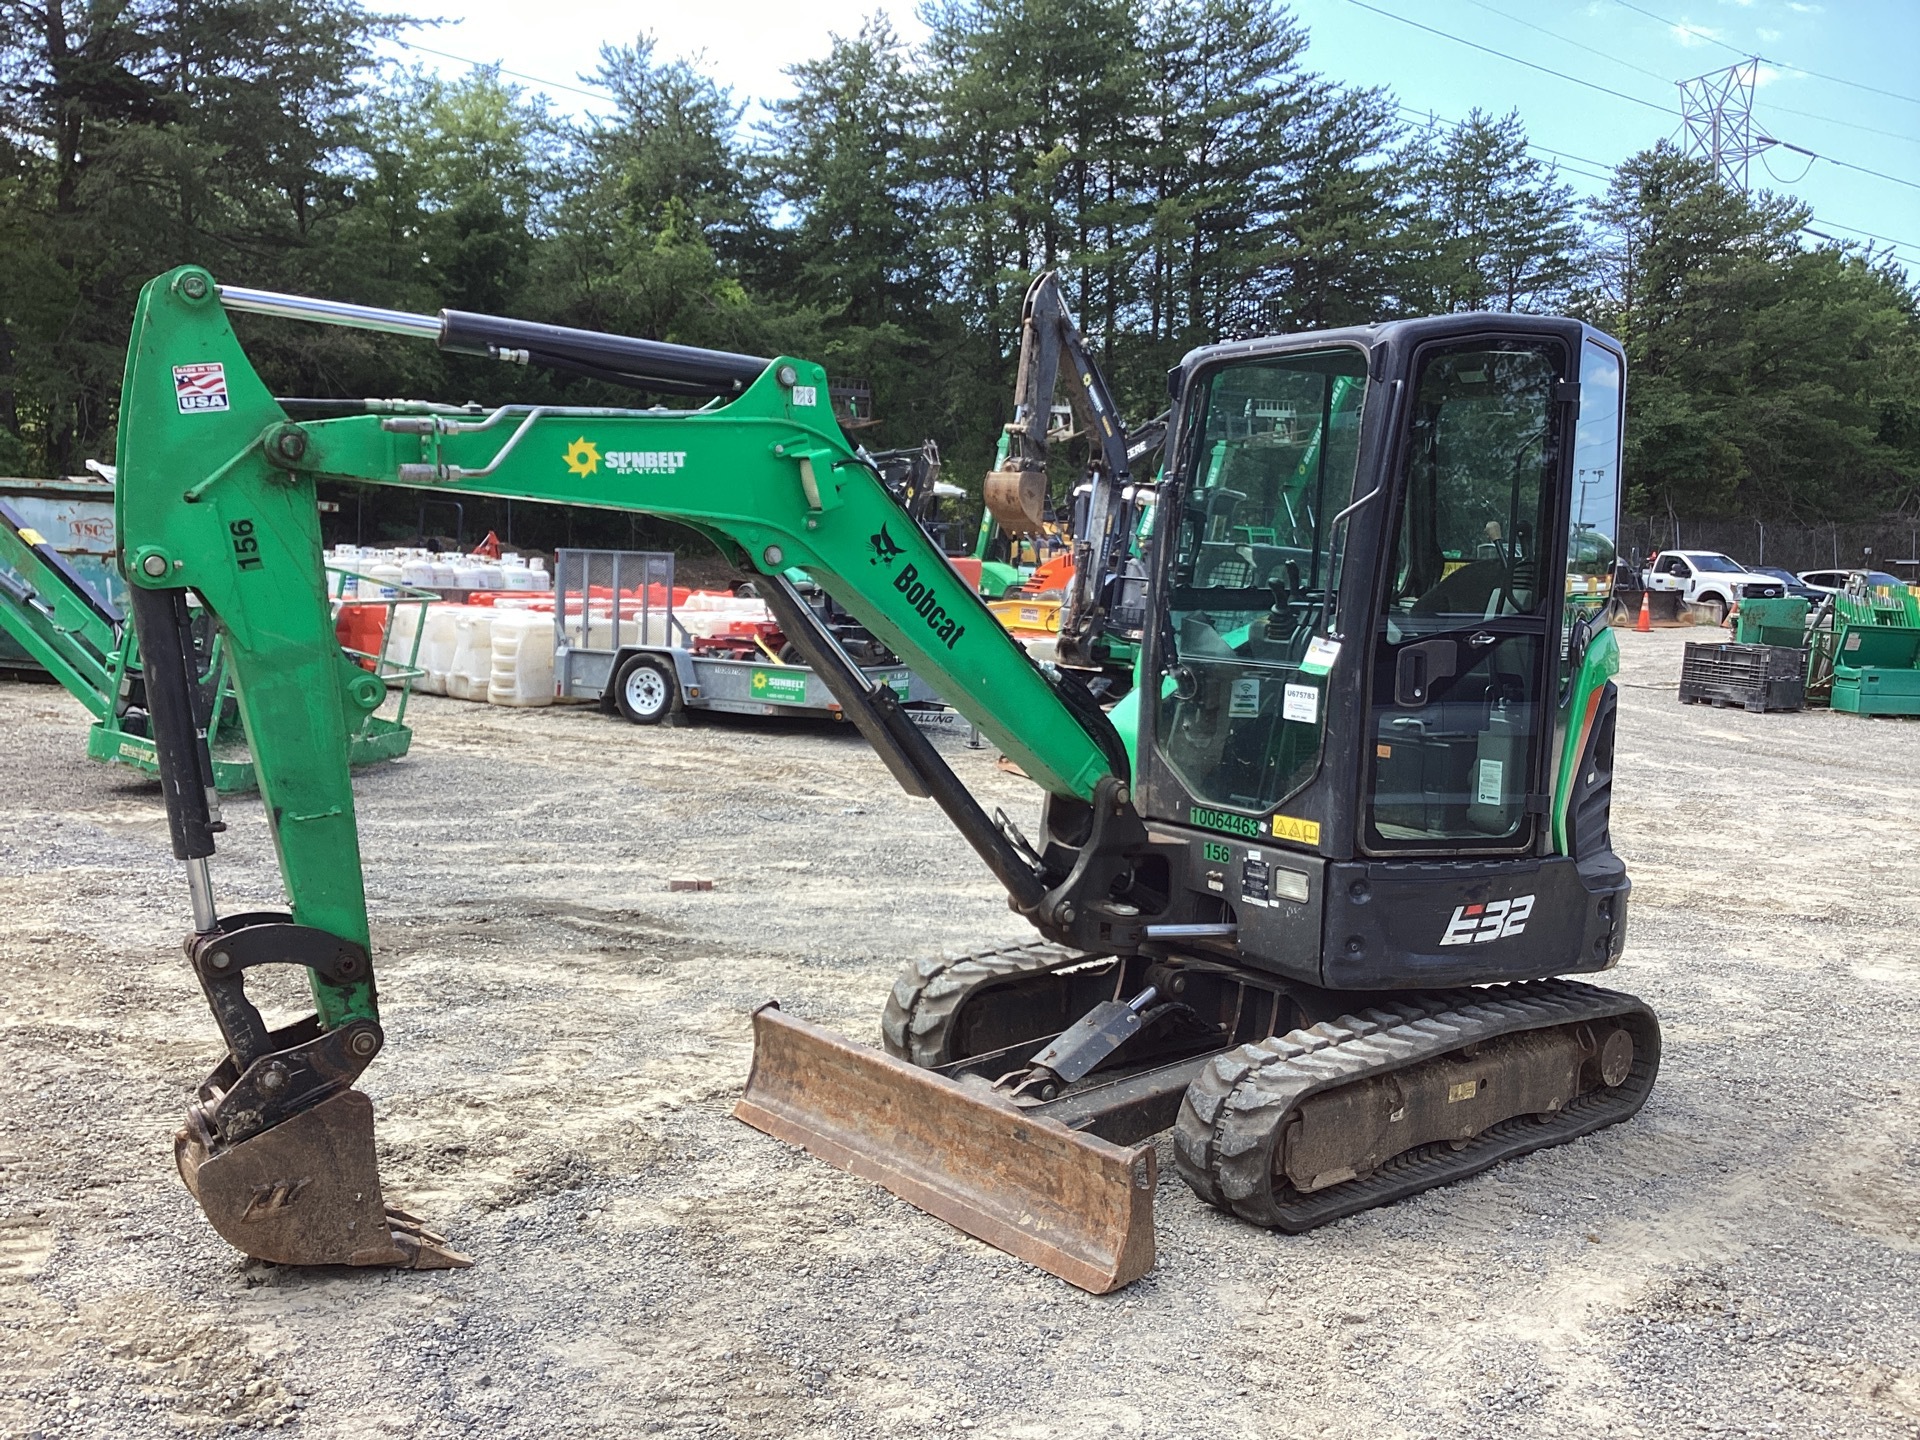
1368, 649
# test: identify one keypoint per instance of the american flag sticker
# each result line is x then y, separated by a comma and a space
200, 387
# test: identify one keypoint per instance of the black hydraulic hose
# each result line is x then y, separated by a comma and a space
651, 364
620, 359
180, 746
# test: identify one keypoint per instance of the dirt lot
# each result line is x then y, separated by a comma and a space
566, 1040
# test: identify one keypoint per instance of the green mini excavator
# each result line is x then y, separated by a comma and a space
1303, 902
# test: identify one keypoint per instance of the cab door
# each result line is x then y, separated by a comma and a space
1462, 691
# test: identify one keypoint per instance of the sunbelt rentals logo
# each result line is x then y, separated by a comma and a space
921, 593
646, 462
1495, 920
583, 458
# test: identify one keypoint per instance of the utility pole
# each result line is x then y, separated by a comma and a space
1716, 111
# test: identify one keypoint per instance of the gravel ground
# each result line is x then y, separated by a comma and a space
566, 1040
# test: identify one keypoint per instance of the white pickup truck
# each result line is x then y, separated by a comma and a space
1709, 579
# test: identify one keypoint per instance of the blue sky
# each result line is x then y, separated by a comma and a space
1636, 49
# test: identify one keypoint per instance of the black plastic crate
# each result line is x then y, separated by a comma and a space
1755, 677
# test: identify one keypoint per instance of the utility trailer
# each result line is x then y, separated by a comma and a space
619, 639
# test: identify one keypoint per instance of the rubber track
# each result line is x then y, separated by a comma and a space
929, 993
1233, 1116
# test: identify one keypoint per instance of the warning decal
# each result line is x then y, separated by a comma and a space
200, 387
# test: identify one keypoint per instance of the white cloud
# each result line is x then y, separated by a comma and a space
1769, 36
1764, 75
1800, 9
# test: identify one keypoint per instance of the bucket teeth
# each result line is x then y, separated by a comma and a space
425, 1249
307, 1192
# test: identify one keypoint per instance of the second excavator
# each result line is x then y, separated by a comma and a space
1304, 906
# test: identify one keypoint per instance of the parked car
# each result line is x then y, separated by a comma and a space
1706, 578
1797, 588
1826, 582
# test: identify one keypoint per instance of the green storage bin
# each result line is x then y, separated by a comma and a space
1876, 670
1877, 692
1772, 622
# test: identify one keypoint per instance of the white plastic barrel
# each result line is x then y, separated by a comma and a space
404, 625
437, 641
522, 659
472, 667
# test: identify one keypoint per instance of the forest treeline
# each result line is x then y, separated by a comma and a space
1180, 160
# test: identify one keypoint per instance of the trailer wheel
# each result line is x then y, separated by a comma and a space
644, 690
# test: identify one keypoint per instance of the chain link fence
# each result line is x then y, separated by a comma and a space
1895, 541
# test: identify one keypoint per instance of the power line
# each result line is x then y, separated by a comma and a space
1888, 252
1846, 164
1715, 39
1686, 29
1871, 235
1767, 165
1621, 94
1829, 120
1489, 50
1835, 79
502, 70
1569, 40
1605, 170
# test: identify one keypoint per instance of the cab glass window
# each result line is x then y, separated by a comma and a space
1459, 708
1273, 459
1594, 529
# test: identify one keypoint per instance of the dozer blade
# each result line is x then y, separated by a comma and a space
306, 1192
1076, 1206
1017, 499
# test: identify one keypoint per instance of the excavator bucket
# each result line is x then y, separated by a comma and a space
1075, 1205
1018, 500
306, 1192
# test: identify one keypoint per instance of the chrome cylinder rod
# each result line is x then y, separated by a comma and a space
200, 887
330, 312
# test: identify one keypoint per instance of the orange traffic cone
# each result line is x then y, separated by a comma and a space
1645, 623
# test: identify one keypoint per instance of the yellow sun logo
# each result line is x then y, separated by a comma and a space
583, 456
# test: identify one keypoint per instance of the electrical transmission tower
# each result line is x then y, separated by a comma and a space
1716, 111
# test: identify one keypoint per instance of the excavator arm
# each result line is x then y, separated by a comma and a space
1054, 354
216, 496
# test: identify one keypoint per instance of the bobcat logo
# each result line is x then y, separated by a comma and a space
883, 547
